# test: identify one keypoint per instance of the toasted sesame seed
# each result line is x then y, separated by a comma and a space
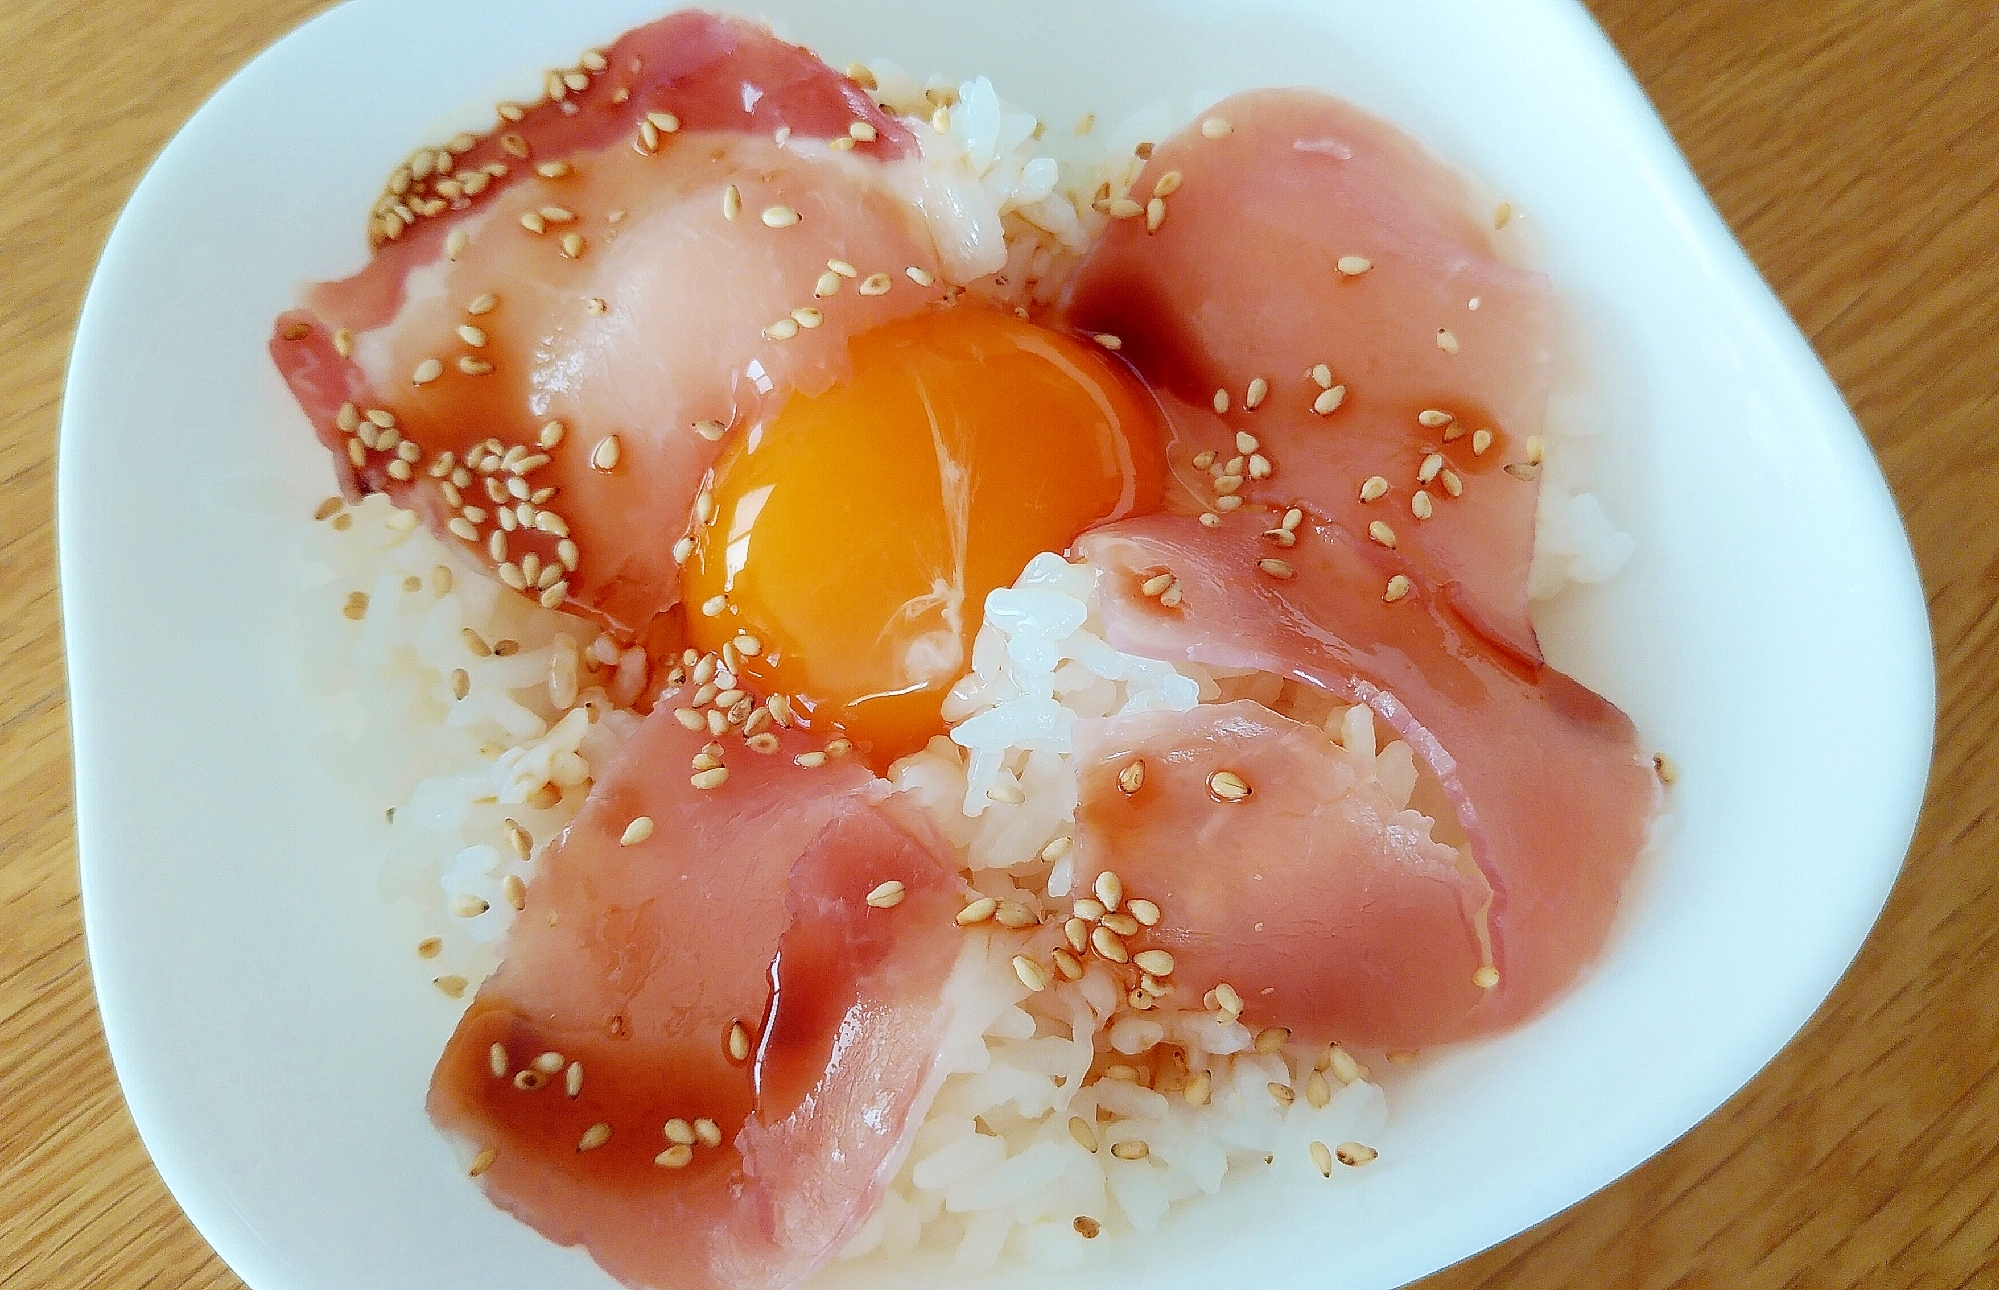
1156, 584
355, 606
451, 985
482, 1162
1157, 962
1523, 470
1353, 266
779, 217
861, 132
1199, 1089
343, 343
1280, 569
1009, 794
530, 1080
496, 1060
679, 1131
977, 912
1663, 766
426, 372
1329, 400
1106, 943
1131, 1149
888, 895
712, 778
1446, 341
573, 245
1067, 964
1031, 974
1502, 216
737, 1042
1077, 932
1381, 533
1272, 1038
1013, 914
1282, 1094
1155, 214
515, 891
1281, 536
707, 1132
1227, 786
1131, 775
605, 455
1083, 1132
1355, 1154
1486, 977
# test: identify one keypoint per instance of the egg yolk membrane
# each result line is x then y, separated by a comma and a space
855, 537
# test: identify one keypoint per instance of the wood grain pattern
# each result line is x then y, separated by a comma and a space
1854, 147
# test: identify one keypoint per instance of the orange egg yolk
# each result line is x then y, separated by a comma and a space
855, 537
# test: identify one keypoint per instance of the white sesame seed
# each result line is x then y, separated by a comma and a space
1221, 400
1276, 568
343, 343
1203, 460
1131, 1149
1110, 889
664, 122
861, 132
1486, 977
842, 268
595, 1136
1031, 974
1446, 341
1245, 441
1398, 587
1420, 505
1452, 484
1381, 533
920, 276
782, 329
462, 527
1147, 915
679, 1131
1130, 777
707, 1132
485, 1159
1431, 465
1355, 1154
426, 372
1502, 216
1329, 400
738, 1043
1009, 794
1156, 962
977, 912
876, 284
496, 1059
1125, 208
572, 1079
1432, 418
828, 284
552, 597
637, 831
533, 223
1227, 786
605, 455
1225, 505
1108, 341
1155, 214
1215, 128
454, 243
779, 217
807, 317
1322, 376
1355, 265
712, 778
1480, 441
1374, 488
473, 366
1169, 183
888, 895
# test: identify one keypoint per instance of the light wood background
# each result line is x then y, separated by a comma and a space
1854, 147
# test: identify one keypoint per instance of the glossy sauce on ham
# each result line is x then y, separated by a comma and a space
574, 346
1243, 281
633, 962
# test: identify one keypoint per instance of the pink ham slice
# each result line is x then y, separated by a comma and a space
1243, 281
747, 904
655, 321
1307, 896
1546, 779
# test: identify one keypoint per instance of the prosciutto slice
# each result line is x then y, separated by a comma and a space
641, 1136
557, 344
1546, 779
1312, 235
1325, 903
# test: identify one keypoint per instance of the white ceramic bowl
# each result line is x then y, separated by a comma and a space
274, 1037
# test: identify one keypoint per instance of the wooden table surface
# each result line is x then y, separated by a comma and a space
1854, 147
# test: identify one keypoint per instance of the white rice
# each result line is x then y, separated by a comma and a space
996, 1172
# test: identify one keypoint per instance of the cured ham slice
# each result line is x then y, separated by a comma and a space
707, 1048
548, 357
1322, 252
1324, 902
1545, 778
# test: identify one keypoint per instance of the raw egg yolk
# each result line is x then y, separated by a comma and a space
854, 538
